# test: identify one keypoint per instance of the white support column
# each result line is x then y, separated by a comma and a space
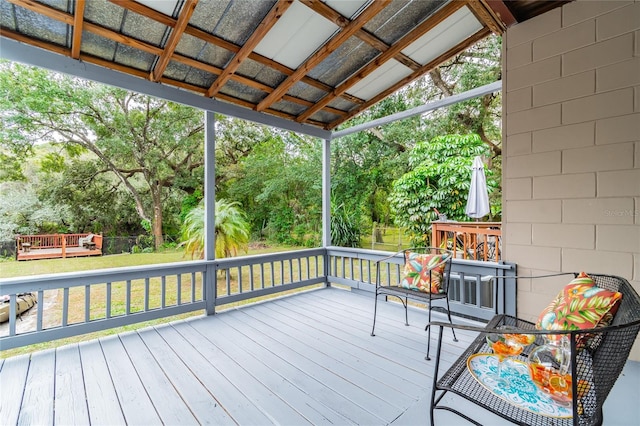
210, 207
326, 193
326, 203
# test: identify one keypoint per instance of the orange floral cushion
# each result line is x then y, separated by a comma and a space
423, 272
580, 305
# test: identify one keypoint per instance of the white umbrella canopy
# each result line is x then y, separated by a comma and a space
478, 199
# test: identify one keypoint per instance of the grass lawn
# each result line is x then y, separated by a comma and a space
119, 290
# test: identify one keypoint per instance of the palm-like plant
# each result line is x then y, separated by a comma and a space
231, 228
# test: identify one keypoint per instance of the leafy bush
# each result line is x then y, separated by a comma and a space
345, 227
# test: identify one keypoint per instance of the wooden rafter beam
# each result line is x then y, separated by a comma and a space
174, 39
78, 20
61, 50
45, 10
487, 16
217, 41
502, 11
364, 35
484, 32
256, 37
337, 40
401, 44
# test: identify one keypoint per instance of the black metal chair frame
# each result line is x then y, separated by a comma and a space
404, 294
607, 359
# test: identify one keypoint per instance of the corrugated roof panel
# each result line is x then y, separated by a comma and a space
42, 27
324, 117
346, 7
450, 32
135, 58
289, 107
104, 13
200, 78
235, 89
241, 19
344, 61
261, 73
190, 46
296, 35
215, 55
305, 91
342, 104
168, 7
96, 45
207, 14
63, 5
401, 16
176, 71
7, 19
143, 28
382, 78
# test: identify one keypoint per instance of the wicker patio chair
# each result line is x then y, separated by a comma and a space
594, 367
387, 289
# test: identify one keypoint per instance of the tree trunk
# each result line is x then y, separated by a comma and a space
156, 225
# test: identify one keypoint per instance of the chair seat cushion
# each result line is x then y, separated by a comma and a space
580, 305
423, 272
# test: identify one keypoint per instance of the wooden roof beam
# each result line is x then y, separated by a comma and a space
487, 16
217, 41
256, 37
337, 40
364, 35
405, 41
78, 21
174, 39
45, 10
502, 11
484, 32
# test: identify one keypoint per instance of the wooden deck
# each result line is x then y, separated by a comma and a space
55, 253
304, 359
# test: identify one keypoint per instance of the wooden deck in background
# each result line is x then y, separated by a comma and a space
304, 359
55, 253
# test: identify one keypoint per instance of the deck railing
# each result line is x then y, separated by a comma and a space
477, 289
76, 303
51, 240
469, 240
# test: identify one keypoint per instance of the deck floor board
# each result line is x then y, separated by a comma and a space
302, 359
70, 397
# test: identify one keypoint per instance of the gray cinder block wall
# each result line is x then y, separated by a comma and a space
571, 155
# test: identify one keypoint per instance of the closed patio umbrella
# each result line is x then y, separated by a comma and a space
478, 200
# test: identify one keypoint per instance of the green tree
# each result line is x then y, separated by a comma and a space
149, 146
439, 179
231, 230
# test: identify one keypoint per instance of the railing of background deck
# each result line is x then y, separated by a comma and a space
477, 289
98, 300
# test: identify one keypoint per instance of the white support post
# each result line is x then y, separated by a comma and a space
326, 202
210, 208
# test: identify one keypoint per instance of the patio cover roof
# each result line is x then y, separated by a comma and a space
303, 65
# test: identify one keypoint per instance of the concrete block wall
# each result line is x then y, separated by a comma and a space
571, 148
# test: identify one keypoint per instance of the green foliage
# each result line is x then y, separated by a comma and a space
231, 230
439, 179
345, 226
149, 149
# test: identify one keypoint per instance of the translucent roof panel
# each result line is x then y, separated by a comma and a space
344, 62
190, 46
289, 107
7, 17
382, 78
394, 21
241, 18
208, 13
200, 78
41, 27
347, 8
305, 91
261, 73
135, 58
176, 71
342, 104
243, 92
168, 7
215, 55
96, 45
143, 28
295, 36
105, 13
450, 32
